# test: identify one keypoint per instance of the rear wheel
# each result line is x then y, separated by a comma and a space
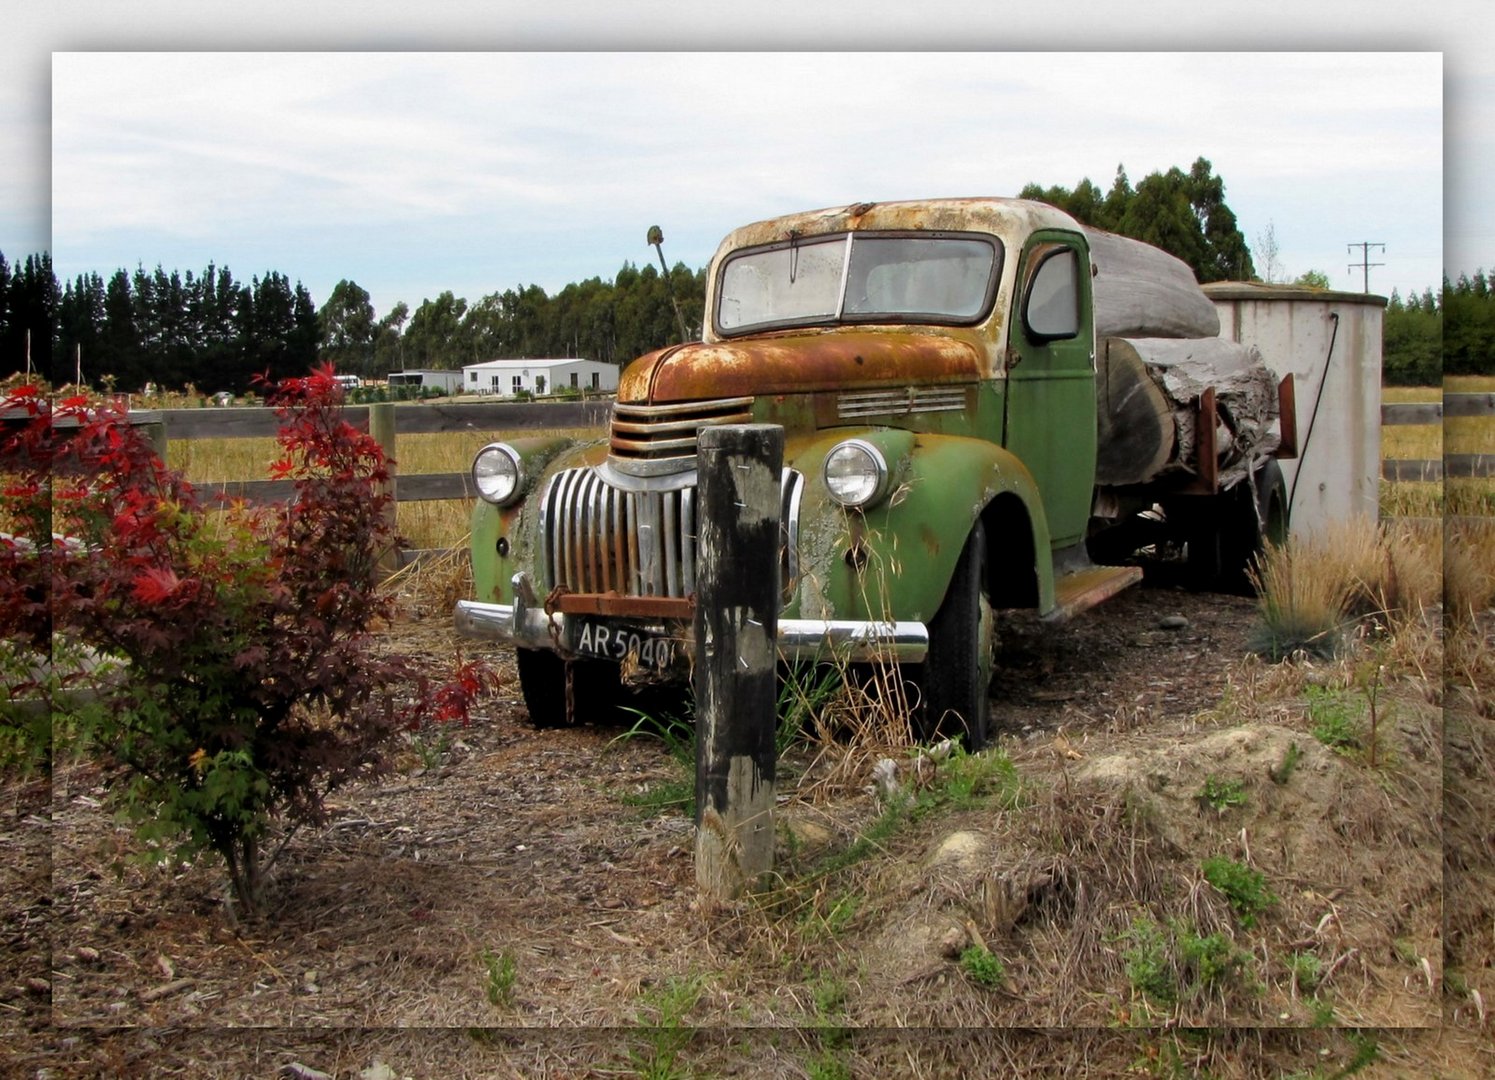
1226, 533
956, 674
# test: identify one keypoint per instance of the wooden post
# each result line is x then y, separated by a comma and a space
382, 428
736, 630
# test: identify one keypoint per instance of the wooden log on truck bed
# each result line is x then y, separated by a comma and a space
1135, 427
1147, 406
1141, 291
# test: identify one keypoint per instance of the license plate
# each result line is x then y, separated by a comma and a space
652, 650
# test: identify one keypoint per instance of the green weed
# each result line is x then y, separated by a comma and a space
982, 967
1147, 965
1244, 888
503, 969
1282, 772
664, 1029
1211, 961
1331, 719
1221, 795
678, 792
1306, 970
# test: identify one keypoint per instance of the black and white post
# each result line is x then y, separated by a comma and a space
736, 632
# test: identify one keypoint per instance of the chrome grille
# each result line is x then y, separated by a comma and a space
653, 440
853, 404
598, 538
601, 539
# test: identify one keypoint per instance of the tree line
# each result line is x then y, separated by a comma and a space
217, 333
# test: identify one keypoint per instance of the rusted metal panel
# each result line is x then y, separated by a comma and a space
805, 363
1287, 413
637, 607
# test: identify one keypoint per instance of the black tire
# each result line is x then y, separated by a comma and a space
597, 691
542, 679
955, 677
1226, 533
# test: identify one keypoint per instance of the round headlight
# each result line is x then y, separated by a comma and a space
497, 474
855, 473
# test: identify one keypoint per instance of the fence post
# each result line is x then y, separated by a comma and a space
382, 428
736, 632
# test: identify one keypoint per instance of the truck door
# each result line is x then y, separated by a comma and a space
1050, 422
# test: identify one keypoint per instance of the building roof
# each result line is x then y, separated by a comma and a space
503, 365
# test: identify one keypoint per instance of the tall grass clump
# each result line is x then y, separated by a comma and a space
1316, 589
1307, 589
1469, 594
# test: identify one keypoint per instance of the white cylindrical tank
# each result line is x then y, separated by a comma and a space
1330, 342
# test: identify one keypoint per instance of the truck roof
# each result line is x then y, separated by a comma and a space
988, 214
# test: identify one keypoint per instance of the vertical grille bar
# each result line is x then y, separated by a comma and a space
602, 539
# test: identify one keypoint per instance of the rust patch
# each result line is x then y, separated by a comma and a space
803, 363
640, 607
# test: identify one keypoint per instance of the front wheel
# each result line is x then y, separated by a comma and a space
596, 693
956, 674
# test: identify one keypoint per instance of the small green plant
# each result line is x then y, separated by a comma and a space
430, 747
1244, 888
502, 969
1282, 772
1146, 959
1211, 961
804, 692
842, 912
1307, 970
958, 781
829, 994
1221, 795
662, 1021
982, 967
1367, 1052
1330, 714
678, 793
1321, 1012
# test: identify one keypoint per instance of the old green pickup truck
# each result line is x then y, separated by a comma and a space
980, 399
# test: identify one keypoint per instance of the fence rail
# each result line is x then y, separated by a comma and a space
477, 419
1461, 466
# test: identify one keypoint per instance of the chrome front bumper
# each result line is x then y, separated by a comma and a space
525, 623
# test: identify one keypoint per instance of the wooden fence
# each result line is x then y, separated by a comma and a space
1454, 465
481, 419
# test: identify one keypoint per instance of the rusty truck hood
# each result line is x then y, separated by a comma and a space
802, 363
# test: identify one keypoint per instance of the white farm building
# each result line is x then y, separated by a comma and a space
508, 377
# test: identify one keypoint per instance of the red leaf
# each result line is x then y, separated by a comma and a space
155, 585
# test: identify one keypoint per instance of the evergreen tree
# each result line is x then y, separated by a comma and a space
1185, 214
346, 329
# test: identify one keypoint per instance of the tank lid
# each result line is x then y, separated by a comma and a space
1255, 290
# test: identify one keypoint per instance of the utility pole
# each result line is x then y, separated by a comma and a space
1365, 264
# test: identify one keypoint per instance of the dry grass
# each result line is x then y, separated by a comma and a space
434, 524
1315, 587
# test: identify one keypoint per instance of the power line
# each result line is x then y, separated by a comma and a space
1365, 264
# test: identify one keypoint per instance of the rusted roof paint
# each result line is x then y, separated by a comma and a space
1000, 217
804, 362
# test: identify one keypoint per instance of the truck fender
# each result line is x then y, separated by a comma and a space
897, 556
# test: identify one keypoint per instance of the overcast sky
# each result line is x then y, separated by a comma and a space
414, 173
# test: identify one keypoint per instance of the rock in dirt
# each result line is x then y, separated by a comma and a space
1173, 622
297, 1071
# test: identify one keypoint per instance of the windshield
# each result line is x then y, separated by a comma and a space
859, 277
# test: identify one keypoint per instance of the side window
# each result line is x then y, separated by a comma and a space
1051, 309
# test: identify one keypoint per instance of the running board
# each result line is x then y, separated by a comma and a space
1083, 589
